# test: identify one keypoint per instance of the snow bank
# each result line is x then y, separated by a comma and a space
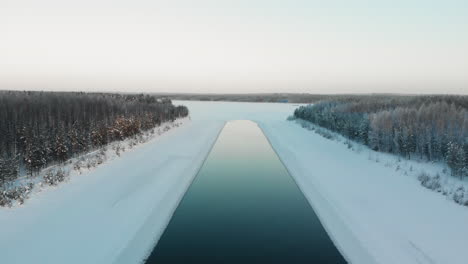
85, 162
373, 213
114, 213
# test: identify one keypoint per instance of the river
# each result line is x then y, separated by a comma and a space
244, 207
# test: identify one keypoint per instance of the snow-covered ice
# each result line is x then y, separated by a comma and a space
116, 213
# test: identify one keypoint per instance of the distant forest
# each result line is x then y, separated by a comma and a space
38, 129
434, 128
258, 98
297, 98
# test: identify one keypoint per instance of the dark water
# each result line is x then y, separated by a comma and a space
244, 207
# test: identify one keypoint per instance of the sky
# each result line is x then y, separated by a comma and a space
235, 46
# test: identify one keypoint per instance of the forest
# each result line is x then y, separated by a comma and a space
38, 129
433, 128
253, 97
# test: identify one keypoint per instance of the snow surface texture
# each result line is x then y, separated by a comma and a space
435, 176
89, 161
116, 213
113, 214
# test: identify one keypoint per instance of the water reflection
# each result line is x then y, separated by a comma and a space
244, 207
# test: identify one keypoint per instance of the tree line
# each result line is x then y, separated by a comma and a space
38, 129
434, 128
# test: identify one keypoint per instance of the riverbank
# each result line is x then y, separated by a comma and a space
95, 217
372, 212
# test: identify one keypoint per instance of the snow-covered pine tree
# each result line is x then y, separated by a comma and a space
8, 170
3, 172
364, 130
35, 157
13, 168
451, 157
397, 142
374, 140
60, 149
460, 161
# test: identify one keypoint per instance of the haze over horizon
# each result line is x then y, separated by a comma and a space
256, 46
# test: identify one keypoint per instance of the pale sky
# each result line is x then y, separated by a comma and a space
227, 46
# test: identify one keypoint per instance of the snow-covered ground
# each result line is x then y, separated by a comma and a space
115, 213
46, 178
368, 206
